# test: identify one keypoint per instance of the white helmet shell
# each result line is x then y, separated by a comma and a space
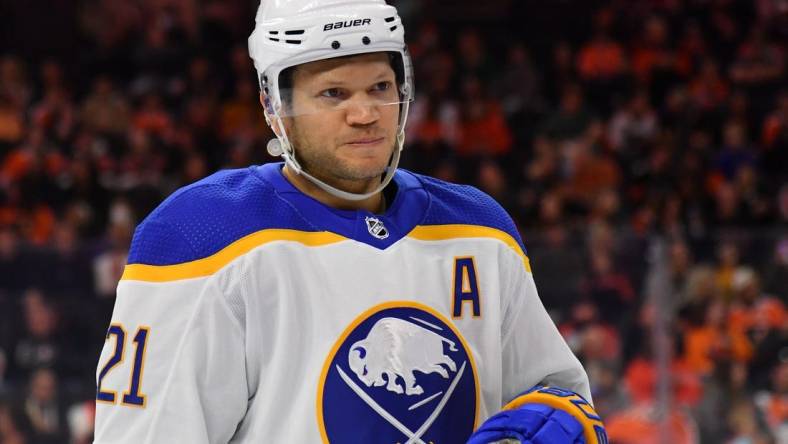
292, 32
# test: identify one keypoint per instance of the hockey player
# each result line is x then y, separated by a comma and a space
332, 298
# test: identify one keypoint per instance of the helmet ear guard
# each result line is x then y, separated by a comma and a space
295, 32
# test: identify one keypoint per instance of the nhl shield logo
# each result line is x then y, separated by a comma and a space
400, 373
376, 228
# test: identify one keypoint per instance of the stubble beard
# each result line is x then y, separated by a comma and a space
326, 166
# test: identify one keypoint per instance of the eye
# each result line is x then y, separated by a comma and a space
332, 93
382, 86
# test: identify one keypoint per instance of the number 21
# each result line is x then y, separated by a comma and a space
132, 396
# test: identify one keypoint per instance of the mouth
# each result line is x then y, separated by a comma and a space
367, 141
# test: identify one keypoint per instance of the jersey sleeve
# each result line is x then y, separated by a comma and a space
173, 365
534, 352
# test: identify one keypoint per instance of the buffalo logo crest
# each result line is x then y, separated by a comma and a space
400, 373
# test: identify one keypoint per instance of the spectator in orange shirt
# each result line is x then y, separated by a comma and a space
151, 115
692, 49
601, 59
15, 81
12, 126
709, 90
645, 422
775, 126
715, 340
589, 337
240, 117
654, 63
642, 425
602, 65
55, 111
759, 60
652, 53
483, 131
774, 136
589, 173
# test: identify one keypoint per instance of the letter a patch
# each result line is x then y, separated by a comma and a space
466, 287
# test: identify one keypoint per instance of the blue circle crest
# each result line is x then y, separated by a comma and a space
400, 373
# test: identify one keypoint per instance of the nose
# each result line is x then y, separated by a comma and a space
362, 112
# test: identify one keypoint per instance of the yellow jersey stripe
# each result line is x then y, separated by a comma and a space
211, 264
455, 231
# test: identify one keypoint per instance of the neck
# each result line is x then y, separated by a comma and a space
373, 204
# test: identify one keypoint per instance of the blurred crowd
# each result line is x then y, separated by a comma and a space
641, 147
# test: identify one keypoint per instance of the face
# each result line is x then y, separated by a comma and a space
43, 385
341, 130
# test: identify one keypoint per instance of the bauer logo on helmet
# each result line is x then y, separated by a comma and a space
347, 24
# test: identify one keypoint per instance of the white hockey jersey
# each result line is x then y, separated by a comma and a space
251, 313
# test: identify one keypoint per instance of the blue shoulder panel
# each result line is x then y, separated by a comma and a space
463, 204
201, 219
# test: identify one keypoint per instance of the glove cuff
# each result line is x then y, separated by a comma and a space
569, 402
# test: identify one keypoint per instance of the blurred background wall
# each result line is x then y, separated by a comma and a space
640, 145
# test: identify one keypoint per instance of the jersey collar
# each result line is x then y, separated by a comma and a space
377, 230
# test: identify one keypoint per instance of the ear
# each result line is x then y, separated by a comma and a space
268, 110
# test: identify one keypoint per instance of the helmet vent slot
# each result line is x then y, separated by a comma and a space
393, 28
294, 32
277, 39
389, 19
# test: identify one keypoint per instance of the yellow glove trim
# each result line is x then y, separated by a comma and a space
569, 402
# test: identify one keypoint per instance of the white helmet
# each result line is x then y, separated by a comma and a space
292, 32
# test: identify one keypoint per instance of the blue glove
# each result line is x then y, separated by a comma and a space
544, 415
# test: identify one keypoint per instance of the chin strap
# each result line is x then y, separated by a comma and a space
275, 149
